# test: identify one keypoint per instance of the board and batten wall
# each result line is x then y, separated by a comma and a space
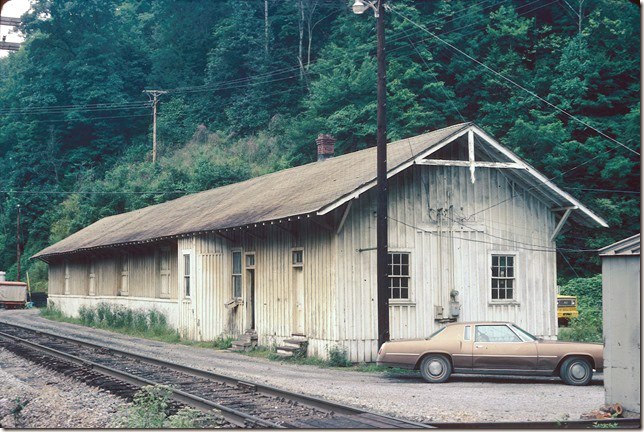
282, 291
450, 227
141, 278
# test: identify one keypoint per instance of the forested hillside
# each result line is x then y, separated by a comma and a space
251, 83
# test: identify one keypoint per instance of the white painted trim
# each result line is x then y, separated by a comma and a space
418, 160
344, 217
182, 266
561, 223
330, 207
470, 154
488, 283
538, 175
465, 164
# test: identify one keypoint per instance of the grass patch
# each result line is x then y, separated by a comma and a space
150, 324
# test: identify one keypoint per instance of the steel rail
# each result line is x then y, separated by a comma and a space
630, 423
311, 401
233, 416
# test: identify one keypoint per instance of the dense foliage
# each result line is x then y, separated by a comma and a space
251, 84
588, 327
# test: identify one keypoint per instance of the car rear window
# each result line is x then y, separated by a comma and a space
437, 332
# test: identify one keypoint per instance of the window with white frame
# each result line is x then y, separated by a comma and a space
297, 257
503, 276
237, 274
186, 274
398, 270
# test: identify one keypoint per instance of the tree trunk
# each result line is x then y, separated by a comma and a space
301, 41
266, 26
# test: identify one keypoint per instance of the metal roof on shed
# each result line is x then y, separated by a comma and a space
311, 189
628, 246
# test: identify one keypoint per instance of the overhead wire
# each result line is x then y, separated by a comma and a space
500, 75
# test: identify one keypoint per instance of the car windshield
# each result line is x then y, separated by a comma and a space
437, 332
524, 334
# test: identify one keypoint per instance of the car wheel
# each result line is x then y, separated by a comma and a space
576, 371
435, 368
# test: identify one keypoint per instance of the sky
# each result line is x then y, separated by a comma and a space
13, 9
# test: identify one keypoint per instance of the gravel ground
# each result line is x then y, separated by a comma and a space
51, 400
462, 399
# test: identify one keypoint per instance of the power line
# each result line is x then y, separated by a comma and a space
534, 248
512, 81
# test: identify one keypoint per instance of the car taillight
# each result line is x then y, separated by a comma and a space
380, 351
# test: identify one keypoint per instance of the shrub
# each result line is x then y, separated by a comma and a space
585, 328
223, 342
587, 290
101, 312
139, 320
87, 315
338, 357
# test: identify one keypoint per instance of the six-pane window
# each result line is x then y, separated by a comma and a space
398, 271
503, 277
186, 274
237, 274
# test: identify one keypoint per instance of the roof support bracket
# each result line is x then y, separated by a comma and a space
470, 152
561, 223
344, 217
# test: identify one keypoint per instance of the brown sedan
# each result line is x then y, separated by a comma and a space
497, 348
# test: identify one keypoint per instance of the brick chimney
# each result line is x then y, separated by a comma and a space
326, 145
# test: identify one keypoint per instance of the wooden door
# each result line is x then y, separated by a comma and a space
298, 300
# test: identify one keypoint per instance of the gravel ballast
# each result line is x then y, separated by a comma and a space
461, 399
34, 397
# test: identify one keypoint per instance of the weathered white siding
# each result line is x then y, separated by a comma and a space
450, 226
205, 316
116, 276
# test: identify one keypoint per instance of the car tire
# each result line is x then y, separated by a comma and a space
576, 371
435, 368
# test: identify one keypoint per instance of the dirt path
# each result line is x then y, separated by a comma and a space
462, 398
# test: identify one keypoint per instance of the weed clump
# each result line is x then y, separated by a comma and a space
338, 357
151, 408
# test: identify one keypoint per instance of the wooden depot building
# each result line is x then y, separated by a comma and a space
472, 231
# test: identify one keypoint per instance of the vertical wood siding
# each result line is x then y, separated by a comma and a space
205, 316
450, 226
143, 275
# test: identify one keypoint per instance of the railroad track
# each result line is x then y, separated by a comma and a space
241, 403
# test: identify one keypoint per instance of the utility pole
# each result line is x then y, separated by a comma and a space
18, 242
382, 189
154, 94
382, 285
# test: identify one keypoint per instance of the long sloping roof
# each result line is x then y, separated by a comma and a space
628, 246
304, 190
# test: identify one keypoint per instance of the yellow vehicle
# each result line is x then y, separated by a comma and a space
566, 307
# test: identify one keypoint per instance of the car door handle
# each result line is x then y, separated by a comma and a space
480, 346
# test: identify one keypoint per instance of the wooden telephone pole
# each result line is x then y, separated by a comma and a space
382, 189
18, 242
154, 95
